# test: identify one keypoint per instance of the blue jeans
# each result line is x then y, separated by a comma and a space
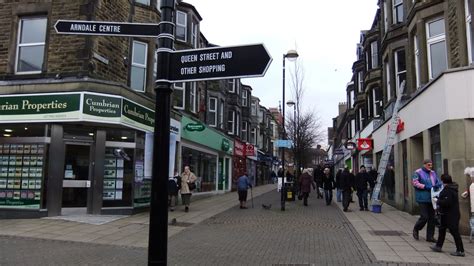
362, 195
328, 196
339, 195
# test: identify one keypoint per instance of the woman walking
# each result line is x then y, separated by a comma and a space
306, 181
449, 209
187, 185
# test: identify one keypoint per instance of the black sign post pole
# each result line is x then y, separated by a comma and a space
158, 234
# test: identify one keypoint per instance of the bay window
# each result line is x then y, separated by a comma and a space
181, 26
436, 46
400, 68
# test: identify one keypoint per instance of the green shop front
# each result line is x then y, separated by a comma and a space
208, 152
79, 151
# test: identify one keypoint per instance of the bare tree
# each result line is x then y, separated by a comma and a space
304, 126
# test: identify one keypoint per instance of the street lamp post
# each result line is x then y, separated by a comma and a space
290, 104
291, 55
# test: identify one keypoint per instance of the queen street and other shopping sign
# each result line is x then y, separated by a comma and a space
219, 63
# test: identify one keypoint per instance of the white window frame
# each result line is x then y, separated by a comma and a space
20, 45
467, 11
374, 54
434, 40
181, 88
417, 61
237, 124
395, 13
245, 98
360, 81
140, 65
213, 111
375, 102
143, 2
253, 133
231, 121
399, 72
361, 119
352, 128
194, 34
232, 85
387, 81
193, 97
352, 98
221, 114
385, 16
185, 25
253, 108
244, 131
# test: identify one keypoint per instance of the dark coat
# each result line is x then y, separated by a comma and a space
362, 180
373, 178
306, 181
318, 175
448, 203
338, 179
347, 180
328, 182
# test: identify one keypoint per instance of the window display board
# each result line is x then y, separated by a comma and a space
21, 175
113, 176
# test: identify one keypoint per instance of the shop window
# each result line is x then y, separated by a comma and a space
181, 26
179, 94
400, 68
436, 44
138, 71
22, 130
397, 11
212, 112
435, 142
30, 45
203, 165
120, 135
118, 175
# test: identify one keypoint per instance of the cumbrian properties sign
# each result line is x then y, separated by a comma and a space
79, 106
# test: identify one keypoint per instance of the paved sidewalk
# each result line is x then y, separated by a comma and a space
128, 231
389, 236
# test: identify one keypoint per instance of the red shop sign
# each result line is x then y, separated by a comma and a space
239, 148
249, 149
364, 144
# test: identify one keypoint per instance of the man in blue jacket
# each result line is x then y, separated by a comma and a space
243, 184
423, 180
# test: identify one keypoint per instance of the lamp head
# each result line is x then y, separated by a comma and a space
290, 103
291, 55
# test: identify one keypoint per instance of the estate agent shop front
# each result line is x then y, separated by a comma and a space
75, 149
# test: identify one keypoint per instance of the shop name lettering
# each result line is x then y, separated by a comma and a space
95, 28
38, 107
98, 107
206, 57
135, 113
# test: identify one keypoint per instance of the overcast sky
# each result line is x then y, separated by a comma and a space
324, 32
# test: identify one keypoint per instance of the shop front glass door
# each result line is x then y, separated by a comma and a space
76, 176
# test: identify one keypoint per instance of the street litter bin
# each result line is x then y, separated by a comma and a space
290, 190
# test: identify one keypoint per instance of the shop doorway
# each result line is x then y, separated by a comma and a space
76, 182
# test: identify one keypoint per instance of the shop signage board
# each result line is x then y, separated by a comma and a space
284, 143
219, 63
81, 106
81, 27
195, 127
40, 107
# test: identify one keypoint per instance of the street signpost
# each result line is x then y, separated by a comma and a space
82, 27
219, 63
174, 66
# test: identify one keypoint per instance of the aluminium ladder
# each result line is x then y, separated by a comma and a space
392, 131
